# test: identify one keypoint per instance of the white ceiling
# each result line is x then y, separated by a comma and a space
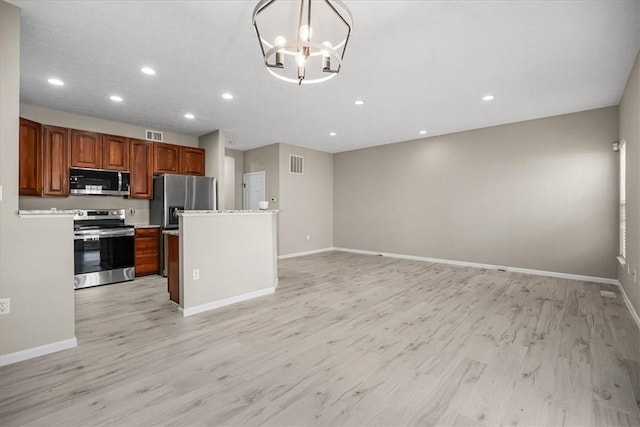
416, 64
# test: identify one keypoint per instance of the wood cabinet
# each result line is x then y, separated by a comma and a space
192, 161
30, 159
141, 167
173, 267
147, 243
86, 149
115, 153
166, 158
56, 160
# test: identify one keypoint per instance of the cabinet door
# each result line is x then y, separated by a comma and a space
141, 167
30, 158
115, 153
192, 161
56, 160
147, 243
166, 158
86, 149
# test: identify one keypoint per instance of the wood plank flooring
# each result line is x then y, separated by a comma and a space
346, 340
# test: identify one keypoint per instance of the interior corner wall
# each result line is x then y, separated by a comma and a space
214, 145
630, 133
306, 201
42, 298
239, 169
539, 194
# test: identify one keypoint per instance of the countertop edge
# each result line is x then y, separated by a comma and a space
48, 213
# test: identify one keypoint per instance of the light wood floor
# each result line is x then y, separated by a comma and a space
346, 340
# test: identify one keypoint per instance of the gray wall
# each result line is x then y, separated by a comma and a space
36, 255
94, 124
213, 144
306, 201
239, 159
538, 194
630, 132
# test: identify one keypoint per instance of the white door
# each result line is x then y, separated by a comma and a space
254, 186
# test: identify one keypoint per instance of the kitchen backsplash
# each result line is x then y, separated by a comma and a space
140, 207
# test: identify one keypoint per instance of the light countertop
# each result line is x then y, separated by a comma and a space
46, 213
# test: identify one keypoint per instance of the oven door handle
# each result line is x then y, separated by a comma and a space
96, 235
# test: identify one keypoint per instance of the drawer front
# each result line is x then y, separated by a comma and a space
147, 245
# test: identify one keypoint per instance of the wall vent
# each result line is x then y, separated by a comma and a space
296, 164
154, 135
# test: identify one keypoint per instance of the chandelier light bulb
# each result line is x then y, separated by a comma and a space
301, 60
306, 32
326, 56
280, 41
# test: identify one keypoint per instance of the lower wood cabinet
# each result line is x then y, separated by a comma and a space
173, 267
147, 248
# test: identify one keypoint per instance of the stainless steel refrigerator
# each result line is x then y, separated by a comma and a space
176, 193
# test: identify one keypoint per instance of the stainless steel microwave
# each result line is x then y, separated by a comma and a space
98, 181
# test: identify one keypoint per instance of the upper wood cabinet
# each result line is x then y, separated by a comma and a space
56, 161
192, 161
141, 167
86, 149
115, 152
166, 158
30, 158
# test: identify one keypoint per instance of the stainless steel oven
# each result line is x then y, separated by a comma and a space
103, 248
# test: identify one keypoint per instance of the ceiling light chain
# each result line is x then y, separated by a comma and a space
333, 23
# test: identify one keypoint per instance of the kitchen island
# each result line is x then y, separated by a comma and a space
225, 257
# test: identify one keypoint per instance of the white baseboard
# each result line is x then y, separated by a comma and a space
630, 306
227, 301
487, 266
297, 254
30, 353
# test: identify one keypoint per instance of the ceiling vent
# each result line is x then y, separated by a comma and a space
154, 135
295, 164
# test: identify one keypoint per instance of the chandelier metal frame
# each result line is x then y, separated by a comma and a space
332, 56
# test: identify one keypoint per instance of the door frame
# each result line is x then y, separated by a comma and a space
245, 193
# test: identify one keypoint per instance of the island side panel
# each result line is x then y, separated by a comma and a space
235, 256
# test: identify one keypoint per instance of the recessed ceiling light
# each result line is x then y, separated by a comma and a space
56, 82
189, 116
148, 70
359, 102
332, 134
227, 95
487, 98
115, 98
422, 132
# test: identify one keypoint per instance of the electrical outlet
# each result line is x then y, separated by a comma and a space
308, 236
196, 274
132, 211
608, 294
5, 305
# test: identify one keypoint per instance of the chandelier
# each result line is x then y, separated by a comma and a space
297, 48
